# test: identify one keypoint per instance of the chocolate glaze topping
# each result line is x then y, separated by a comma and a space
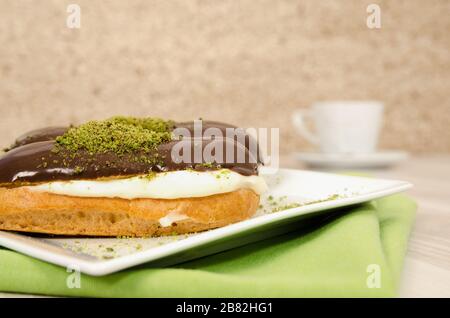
42, 134
33, 159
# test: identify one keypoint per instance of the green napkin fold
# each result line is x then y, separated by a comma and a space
357, 254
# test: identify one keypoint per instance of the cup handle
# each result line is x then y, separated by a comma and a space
298, 120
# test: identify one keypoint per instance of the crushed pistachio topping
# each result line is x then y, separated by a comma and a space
277, 204
149, 123
206, 164
151, 175
78, 169
119, 134
224, 173
286, 207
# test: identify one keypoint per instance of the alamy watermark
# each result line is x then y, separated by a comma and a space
73, 280
73, 20
373, 20
374, 278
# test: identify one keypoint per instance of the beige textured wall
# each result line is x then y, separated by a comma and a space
249, 62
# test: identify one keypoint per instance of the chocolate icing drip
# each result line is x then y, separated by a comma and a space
33, 160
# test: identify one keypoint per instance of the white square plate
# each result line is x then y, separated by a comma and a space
293, 197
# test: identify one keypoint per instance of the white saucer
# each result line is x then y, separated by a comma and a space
380, 159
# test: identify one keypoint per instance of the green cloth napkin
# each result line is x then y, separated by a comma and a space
339, 258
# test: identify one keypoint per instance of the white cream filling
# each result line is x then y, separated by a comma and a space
165, 185
171, 218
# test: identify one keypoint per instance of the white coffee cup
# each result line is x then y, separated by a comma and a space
341, 126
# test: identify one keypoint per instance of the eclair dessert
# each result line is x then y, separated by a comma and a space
127, 176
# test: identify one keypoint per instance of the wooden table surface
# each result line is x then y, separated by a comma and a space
427, 265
